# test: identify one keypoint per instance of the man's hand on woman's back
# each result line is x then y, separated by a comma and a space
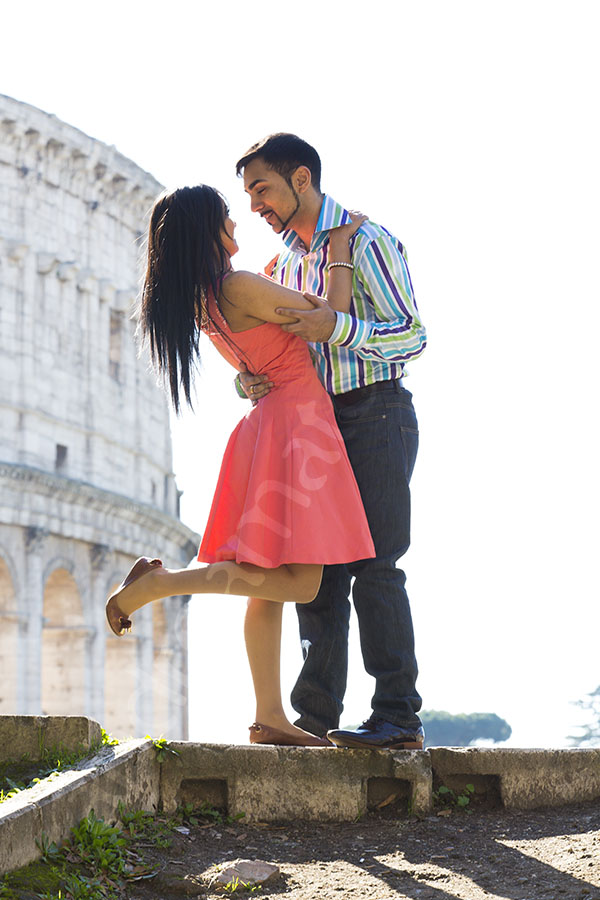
254, 386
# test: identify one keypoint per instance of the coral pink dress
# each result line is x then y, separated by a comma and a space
286, 491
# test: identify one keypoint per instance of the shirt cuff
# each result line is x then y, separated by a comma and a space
349, 332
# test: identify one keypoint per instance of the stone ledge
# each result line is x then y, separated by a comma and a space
272, 784
31, 735
527, 779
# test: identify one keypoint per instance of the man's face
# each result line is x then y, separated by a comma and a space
270, 195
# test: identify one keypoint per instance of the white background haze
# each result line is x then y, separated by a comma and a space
470, 130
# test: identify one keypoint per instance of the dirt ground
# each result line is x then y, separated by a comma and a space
509, 855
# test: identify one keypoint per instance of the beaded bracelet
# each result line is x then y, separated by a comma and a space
238, 387
343, 264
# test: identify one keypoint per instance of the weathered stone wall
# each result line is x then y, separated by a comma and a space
86, 481
72, 218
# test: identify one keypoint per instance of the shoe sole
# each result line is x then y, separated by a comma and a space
362, 745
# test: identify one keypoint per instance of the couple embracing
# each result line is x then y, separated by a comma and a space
312, 504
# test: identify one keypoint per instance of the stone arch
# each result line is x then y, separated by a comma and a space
161, 668
9, 640
63, 646
120, 669
80, 579
62, 563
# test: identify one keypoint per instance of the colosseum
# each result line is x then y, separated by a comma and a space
86, 480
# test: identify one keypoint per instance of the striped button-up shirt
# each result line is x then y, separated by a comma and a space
383, 329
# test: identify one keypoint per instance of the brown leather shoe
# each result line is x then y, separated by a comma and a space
118, 622
264, 734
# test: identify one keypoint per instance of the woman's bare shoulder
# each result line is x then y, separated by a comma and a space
258, 296
243, 281
241, 290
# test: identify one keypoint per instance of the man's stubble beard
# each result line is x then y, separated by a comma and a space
285, 224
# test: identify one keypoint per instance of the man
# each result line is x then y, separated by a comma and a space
360, 357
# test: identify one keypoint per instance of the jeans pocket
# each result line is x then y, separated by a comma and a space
371, 409
410, 441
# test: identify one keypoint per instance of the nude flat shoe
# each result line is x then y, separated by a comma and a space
264, 734
118, 622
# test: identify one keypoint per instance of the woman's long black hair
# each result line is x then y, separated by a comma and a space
186, 262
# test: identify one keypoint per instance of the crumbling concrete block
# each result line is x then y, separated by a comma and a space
528, 779
269, 783
31, 735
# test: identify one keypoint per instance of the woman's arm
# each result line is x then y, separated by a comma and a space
339, 286
246, 296
249, 299
387, 324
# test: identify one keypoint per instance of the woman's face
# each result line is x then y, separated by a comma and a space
227, 236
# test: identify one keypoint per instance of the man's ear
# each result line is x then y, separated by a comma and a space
302, 179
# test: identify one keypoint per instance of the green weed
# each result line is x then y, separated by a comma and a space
20, 774
98, 845
235, 885
206, 812
107, 740
161, 746
145, 826
49, 850
99, 859
94, 863
446, 798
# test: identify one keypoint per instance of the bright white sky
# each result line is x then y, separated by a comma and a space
470, 130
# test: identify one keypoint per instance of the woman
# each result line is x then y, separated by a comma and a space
286, 501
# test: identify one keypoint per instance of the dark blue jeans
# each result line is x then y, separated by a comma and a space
381, 436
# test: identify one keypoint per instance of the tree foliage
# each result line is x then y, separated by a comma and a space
442, 729
590, 733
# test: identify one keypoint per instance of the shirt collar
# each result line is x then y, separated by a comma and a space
332, 214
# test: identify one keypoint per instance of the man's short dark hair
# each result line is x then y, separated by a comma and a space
283, 153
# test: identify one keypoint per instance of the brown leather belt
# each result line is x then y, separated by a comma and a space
361, 393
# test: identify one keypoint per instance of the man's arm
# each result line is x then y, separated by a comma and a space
393, 330
398, 333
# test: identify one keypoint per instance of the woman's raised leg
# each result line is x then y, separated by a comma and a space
148, 581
